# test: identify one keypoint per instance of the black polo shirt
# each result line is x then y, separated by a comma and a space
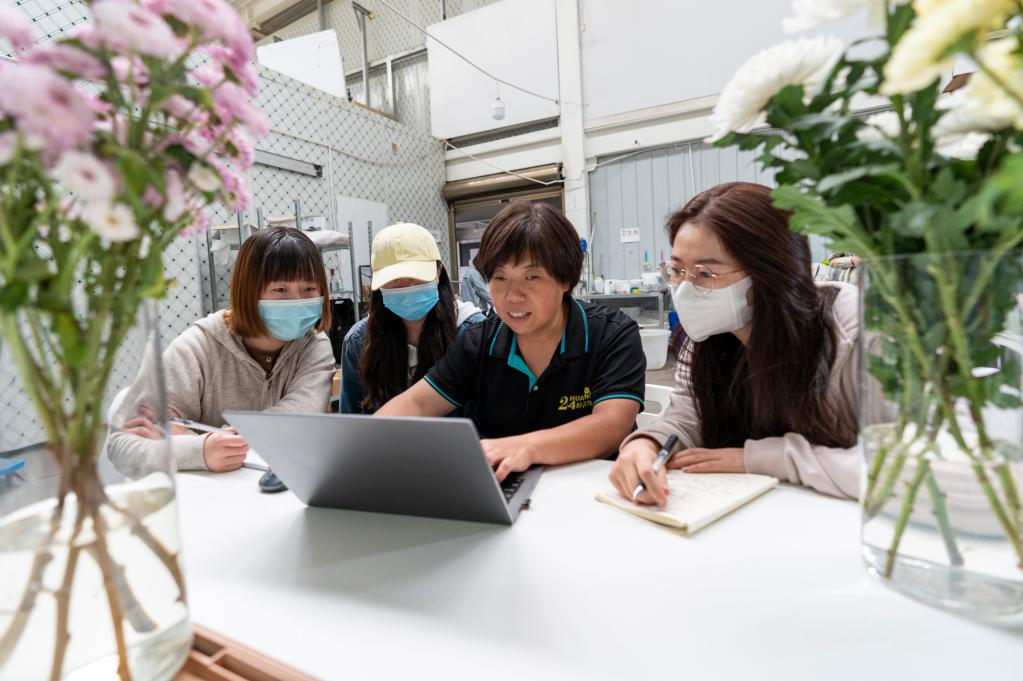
600, 358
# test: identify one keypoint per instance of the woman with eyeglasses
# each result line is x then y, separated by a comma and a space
767, 379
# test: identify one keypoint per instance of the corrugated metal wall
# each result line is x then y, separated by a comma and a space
641, 190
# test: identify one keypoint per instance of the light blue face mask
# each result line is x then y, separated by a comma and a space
287, 320
411, 302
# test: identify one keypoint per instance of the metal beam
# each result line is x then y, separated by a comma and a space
361, 15
287, 16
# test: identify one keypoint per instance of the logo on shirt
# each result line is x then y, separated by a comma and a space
573, 402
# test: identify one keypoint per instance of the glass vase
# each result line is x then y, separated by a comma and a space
942, 430
90, 578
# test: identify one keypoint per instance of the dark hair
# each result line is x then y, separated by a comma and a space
272, 254
383, 367
778, 383
534, 231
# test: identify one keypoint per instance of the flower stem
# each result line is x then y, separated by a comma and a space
1011, 532
163, 554
108, 569
922, 468
955, 559
63, 598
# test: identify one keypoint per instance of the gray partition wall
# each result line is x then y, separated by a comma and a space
641, 190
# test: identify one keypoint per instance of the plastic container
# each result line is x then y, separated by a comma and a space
655, 347
651, 281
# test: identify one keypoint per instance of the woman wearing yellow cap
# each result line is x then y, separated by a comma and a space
413, 317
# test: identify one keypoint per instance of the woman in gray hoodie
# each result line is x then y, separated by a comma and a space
268, 352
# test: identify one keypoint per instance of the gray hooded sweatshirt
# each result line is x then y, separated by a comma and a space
208, 372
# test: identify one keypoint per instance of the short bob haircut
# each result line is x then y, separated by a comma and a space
272, 254
531, 232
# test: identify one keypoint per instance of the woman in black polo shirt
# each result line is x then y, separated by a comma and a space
550, 380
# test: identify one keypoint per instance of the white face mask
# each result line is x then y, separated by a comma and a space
705, 313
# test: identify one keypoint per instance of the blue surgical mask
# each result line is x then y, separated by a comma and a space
411, 302
287, 320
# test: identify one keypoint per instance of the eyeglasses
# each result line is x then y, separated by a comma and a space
702, 277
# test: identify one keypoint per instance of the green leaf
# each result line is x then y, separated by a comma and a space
899, 22
72, 342
32, 269
13, 295
812, 216
786, 106
837, 180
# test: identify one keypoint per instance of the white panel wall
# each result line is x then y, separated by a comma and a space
515, 39
647, 53
313, 59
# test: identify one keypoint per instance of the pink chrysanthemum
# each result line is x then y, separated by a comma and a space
234, 192
177, 200
244, 71
200, 223
126, 25
230, 102
45, 105
68, 59
180, 107
216, 19
87, 34
245, 151
86, 176
15, 26
152, 197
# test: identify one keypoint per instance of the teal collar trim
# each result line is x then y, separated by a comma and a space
516, 362
570, 341
586, 328
497, 334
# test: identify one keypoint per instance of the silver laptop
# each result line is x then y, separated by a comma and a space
433, 467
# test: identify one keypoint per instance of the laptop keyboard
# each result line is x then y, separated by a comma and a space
511, 484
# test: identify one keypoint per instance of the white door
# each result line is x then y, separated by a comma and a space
361, 219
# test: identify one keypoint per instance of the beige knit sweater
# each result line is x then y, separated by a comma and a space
207, 372
789, 457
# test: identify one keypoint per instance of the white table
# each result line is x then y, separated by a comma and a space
575, 590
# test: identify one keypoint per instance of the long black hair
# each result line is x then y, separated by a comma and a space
383, 367
778, 382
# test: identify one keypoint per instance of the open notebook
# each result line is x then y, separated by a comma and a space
695, 500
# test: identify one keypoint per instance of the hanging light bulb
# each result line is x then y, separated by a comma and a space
497, 106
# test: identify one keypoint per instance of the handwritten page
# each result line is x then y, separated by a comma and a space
696, 500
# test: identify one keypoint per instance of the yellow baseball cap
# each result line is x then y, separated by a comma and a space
403, 250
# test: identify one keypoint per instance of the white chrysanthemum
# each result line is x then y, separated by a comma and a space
805, 61
984, 105
112, 221
879, 126
917, 58
809, 14
964, 147
85, 175
204, 178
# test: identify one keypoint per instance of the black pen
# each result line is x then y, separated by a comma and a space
662, 458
